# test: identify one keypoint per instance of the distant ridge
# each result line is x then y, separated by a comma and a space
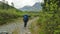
35, 7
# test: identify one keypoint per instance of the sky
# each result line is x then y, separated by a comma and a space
22, 3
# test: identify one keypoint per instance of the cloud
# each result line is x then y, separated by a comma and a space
22, 3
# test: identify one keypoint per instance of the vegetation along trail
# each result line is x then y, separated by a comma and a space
18, 27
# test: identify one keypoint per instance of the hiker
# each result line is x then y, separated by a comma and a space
25, 19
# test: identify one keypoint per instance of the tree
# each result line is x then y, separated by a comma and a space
3, 3
12, 4
6, 6
6, 2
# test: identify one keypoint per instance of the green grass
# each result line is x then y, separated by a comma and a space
9, 13
48, 24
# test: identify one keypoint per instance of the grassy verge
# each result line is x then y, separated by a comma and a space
34, 28
48, 23
16, 31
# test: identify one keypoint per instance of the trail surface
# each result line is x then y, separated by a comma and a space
19, 26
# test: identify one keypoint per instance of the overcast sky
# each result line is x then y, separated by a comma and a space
22, 3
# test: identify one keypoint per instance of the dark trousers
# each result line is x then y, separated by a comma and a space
25, 23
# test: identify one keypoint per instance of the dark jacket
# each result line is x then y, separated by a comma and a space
25, 17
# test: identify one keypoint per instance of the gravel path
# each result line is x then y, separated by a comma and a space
17, 25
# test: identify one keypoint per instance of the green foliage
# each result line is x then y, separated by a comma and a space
49, 21
8, 13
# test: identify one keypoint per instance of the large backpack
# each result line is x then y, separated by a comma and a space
25, 18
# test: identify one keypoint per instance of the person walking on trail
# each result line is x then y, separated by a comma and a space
25, 19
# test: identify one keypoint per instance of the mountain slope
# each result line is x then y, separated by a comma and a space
7, 13
35, 7
28, 8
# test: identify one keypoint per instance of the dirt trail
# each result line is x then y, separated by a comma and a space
19, 26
